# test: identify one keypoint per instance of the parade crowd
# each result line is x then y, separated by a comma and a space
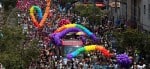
49, 57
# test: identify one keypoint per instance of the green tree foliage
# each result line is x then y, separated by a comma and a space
134, 39
13, 54
9, 3
92, 12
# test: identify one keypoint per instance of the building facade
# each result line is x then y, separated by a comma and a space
135, 12
139, 11
145, 14
118, 10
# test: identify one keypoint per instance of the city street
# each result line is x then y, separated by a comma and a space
74, 34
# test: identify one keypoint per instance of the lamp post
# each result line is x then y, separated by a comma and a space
94, 3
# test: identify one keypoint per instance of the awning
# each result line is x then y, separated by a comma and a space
100, 5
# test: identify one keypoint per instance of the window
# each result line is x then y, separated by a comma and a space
149, 11
144, 9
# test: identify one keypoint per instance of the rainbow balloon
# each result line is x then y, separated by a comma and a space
82, 28
38, 10
56, 37
73, 26
103, 50
42, 19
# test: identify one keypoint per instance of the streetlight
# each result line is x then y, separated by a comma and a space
94, 2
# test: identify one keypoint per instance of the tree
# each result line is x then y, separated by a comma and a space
134, 39
92, 12
9, 3
13, 55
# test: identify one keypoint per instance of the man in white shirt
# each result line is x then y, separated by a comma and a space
141, 66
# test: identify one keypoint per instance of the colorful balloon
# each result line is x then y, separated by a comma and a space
38, 10
73, 26
57, 36
123, 60
82, 28
42, 20
103, 50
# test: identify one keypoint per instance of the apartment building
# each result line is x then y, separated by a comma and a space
135, 12
145, 14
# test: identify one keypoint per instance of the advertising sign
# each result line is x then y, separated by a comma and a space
72, 43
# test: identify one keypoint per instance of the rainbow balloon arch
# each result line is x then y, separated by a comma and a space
63, 30
65, 26
88, 48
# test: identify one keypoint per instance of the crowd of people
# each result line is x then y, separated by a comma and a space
50, 57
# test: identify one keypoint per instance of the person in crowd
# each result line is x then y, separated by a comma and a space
141, 65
